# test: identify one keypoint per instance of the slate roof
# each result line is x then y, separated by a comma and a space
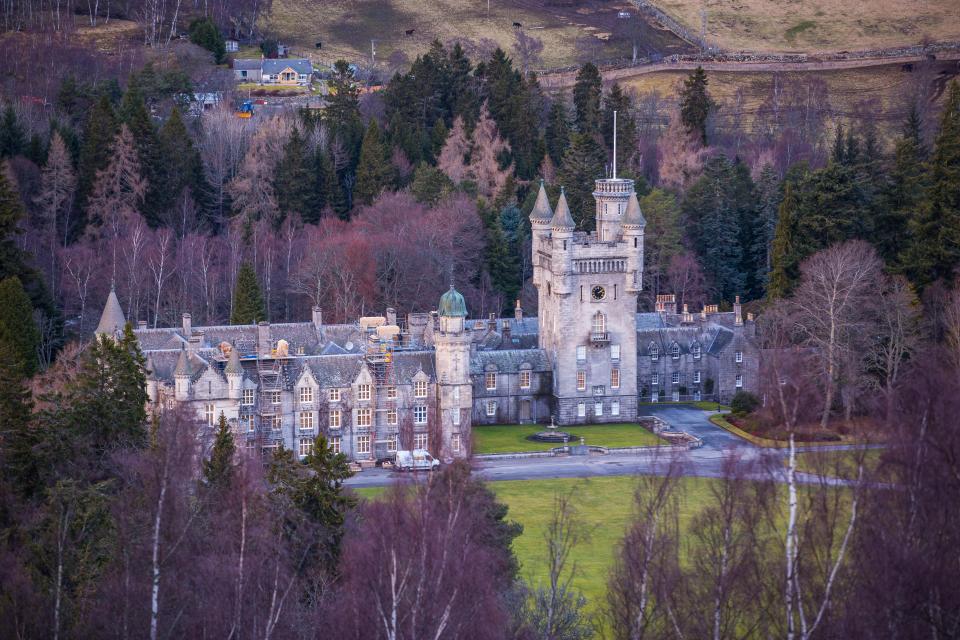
246, 64
633, 217
111, 320
273, 66
561, 217
541, 208
509, 360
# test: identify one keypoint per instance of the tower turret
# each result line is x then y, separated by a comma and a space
633, 225
234, 373
540, 217
562, 226
112, 319
181, 376
454, 390
152, 384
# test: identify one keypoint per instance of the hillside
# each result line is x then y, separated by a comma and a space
817, 25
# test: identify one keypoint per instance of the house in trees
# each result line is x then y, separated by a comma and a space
384, 383
246, 70
281, 71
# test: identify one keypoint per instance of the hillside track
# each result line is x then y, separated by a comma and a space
567, 78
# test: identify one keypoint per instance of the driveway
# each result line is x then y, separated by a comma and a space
706, 461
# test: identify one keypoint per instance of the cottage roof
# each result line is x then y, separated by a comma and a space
509, 360
112, 319
274, 66
246, 64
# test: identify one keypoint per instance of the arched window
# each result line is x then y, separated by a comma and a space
675, 351
599, 323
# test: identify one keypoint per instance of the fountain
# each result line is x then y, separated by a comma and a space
552, 434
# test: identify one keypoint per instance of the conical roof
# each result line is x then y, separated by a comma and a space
452, 304
561, 217
233, 363
633, 216
112, 320
541, 208
183, 364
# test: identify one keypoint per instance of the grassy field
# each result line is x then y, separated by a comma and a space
508, 438
604, 505
885, 90
817, 25
842, 464
346, 27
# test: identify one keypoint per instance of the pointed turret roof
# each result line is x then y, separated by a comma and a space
541, 208
183, 364
112, 319
633, 216
561, 217
233, 363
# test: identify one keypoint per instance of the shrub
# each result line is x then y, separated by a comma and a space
743, 403
204, 32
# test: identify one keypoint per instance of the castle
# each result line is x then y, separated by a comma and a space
384, 382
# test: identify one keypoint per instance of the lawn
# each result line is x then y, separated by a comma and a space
513, 437
817, 25
842, 464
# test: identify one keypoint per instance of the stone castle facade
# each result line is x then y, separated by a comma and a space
385, 383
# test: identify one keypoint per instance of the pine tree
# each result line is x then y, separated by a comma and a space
785, 265
17, 328
204, 32
934, 246
12, 138
322, 174
218, 468
247, 299
17, 439
582, 164
903, 192
662, 240
181, 169
558, 131
430, 185
292, 181
587, 92
619, 101
136, 118
769, 196
98, 138
696, 104
374, 172
342, 113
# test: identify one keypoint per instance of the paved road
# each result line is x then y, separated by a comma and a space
706, 461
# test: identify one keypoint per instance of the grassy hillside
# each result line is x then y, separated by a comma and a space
346, 26
817, 25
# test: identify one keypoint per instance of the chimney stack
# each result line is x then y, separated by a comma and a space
316, 315
518, 311
737, 312
506, 329
187, 326
264, 343
666, 303
391, 316
141, 324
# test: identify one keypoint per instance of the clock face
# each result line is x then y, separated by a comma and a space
598, 292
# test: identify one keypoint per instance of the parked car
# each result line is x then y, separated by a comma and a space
416, 460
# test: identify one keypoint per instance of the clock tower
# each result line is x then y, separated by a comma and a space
587, 286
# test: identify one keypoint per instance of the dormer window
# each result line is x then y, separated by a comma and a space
695, 350
675, 351
420, 389
654, 352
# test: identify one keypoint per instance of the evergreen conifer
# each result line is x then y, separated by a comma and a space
374, 172
218, 468
247, 299
696, 104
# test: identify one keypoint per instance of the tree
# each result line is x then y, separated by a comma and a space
769, 196
248, 305
587, 91
527, 49
696, 104
57, 185
430, 185
933, 249
95, 154
486, 155
662, 237
374, 173
903, 191
16, 441
218, 468
12, 139
204, 32
292, 182
557, 134
620, 101
783, 254
136, 118
831, 304
183, 175
682, 155
456, 150
17, 328
583, 163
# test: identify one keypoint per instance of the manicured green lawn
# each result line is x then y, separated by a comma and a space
513, 437
842, 464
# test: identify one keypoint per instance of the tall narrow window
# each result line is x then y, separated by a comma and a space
614, 352
581, 380
524, 379
490, 381
654, 352
208, 411
614, 378
581, 353
739, 381
581, 409
599, 323
738, 356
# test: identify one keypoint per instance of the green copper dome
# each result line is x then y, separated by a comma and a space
452, 304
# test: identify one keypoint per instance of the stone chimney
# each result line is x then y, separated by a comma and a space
505, 329
187, 326
195, 342
737, 312
264, 343
687, 316
391, 316
316, 315
141, 325
666, 303
518, 312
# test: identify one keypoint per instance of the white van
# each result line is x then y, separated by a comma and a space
416, 460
